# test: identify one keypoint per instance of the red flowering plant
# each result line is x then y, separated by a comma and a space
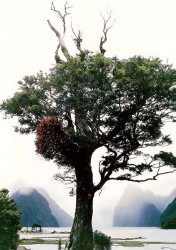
51, 136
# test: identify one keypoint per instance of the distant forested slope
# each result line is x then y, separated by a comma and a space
168, 217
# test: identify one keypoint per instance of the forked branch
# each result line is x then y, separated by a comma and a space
58, 34
132, 170
60, 15
106, 28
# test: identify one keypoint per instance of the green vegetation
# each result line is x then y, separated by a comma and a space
169, 224
88, 102
36, 241
42, 241
130, 243
101, 241
168, 217
10, 222
36, 227
128, 100
59, 244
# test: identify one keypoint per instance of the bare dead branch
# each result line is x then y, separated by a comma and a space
52, 27
62, 16
78, 38
106, 28
65, 178
57, 58
61, 42
58, 34
101, 190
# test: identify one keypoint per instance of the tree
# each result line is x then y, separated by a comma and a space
89, 101
36, 227
10, 222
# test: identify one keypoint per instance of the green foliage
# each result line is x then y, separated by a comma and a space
101, 241
169, 225
119, 104
36, 227
168, 217
59, 245
167, 158
10, 224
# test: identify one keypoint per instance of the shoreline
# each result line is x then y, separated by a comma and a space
126, 242
53, 237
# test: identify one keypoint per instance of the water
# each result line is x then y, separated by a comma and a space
146, 247
148, 234
42, 247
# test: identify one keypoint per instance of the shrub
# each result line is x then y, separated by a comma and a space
60, 245
10, 222
101, 241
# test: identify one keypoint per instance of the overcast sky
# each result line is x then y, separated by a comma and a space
27, 45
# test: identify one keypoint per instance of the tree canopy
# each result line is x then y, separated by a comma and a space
10, 222
92, 101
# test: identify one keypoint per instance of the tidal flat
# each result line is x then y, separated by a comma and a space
122, 238
119, 242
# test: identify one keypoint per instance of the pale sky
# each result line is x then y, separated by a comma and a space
27, 45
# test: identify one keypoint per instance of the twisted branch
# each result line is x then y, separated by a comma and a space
62, 16
59, 36
106, 28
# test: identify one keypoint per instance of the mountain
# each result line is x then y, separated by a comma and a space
142, 215
162, 201
63, 218
148, 216
35, 209
140, 208
168, 217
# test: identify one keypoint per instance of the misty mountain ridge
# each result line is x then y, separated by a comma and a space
62, 217
38, 207
35, 209
140, 208
134, 194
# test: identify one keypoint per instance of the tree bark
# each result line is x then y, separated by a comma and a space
81, 237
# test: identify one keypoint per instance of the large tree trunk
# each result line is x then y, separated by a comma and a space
81, 237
